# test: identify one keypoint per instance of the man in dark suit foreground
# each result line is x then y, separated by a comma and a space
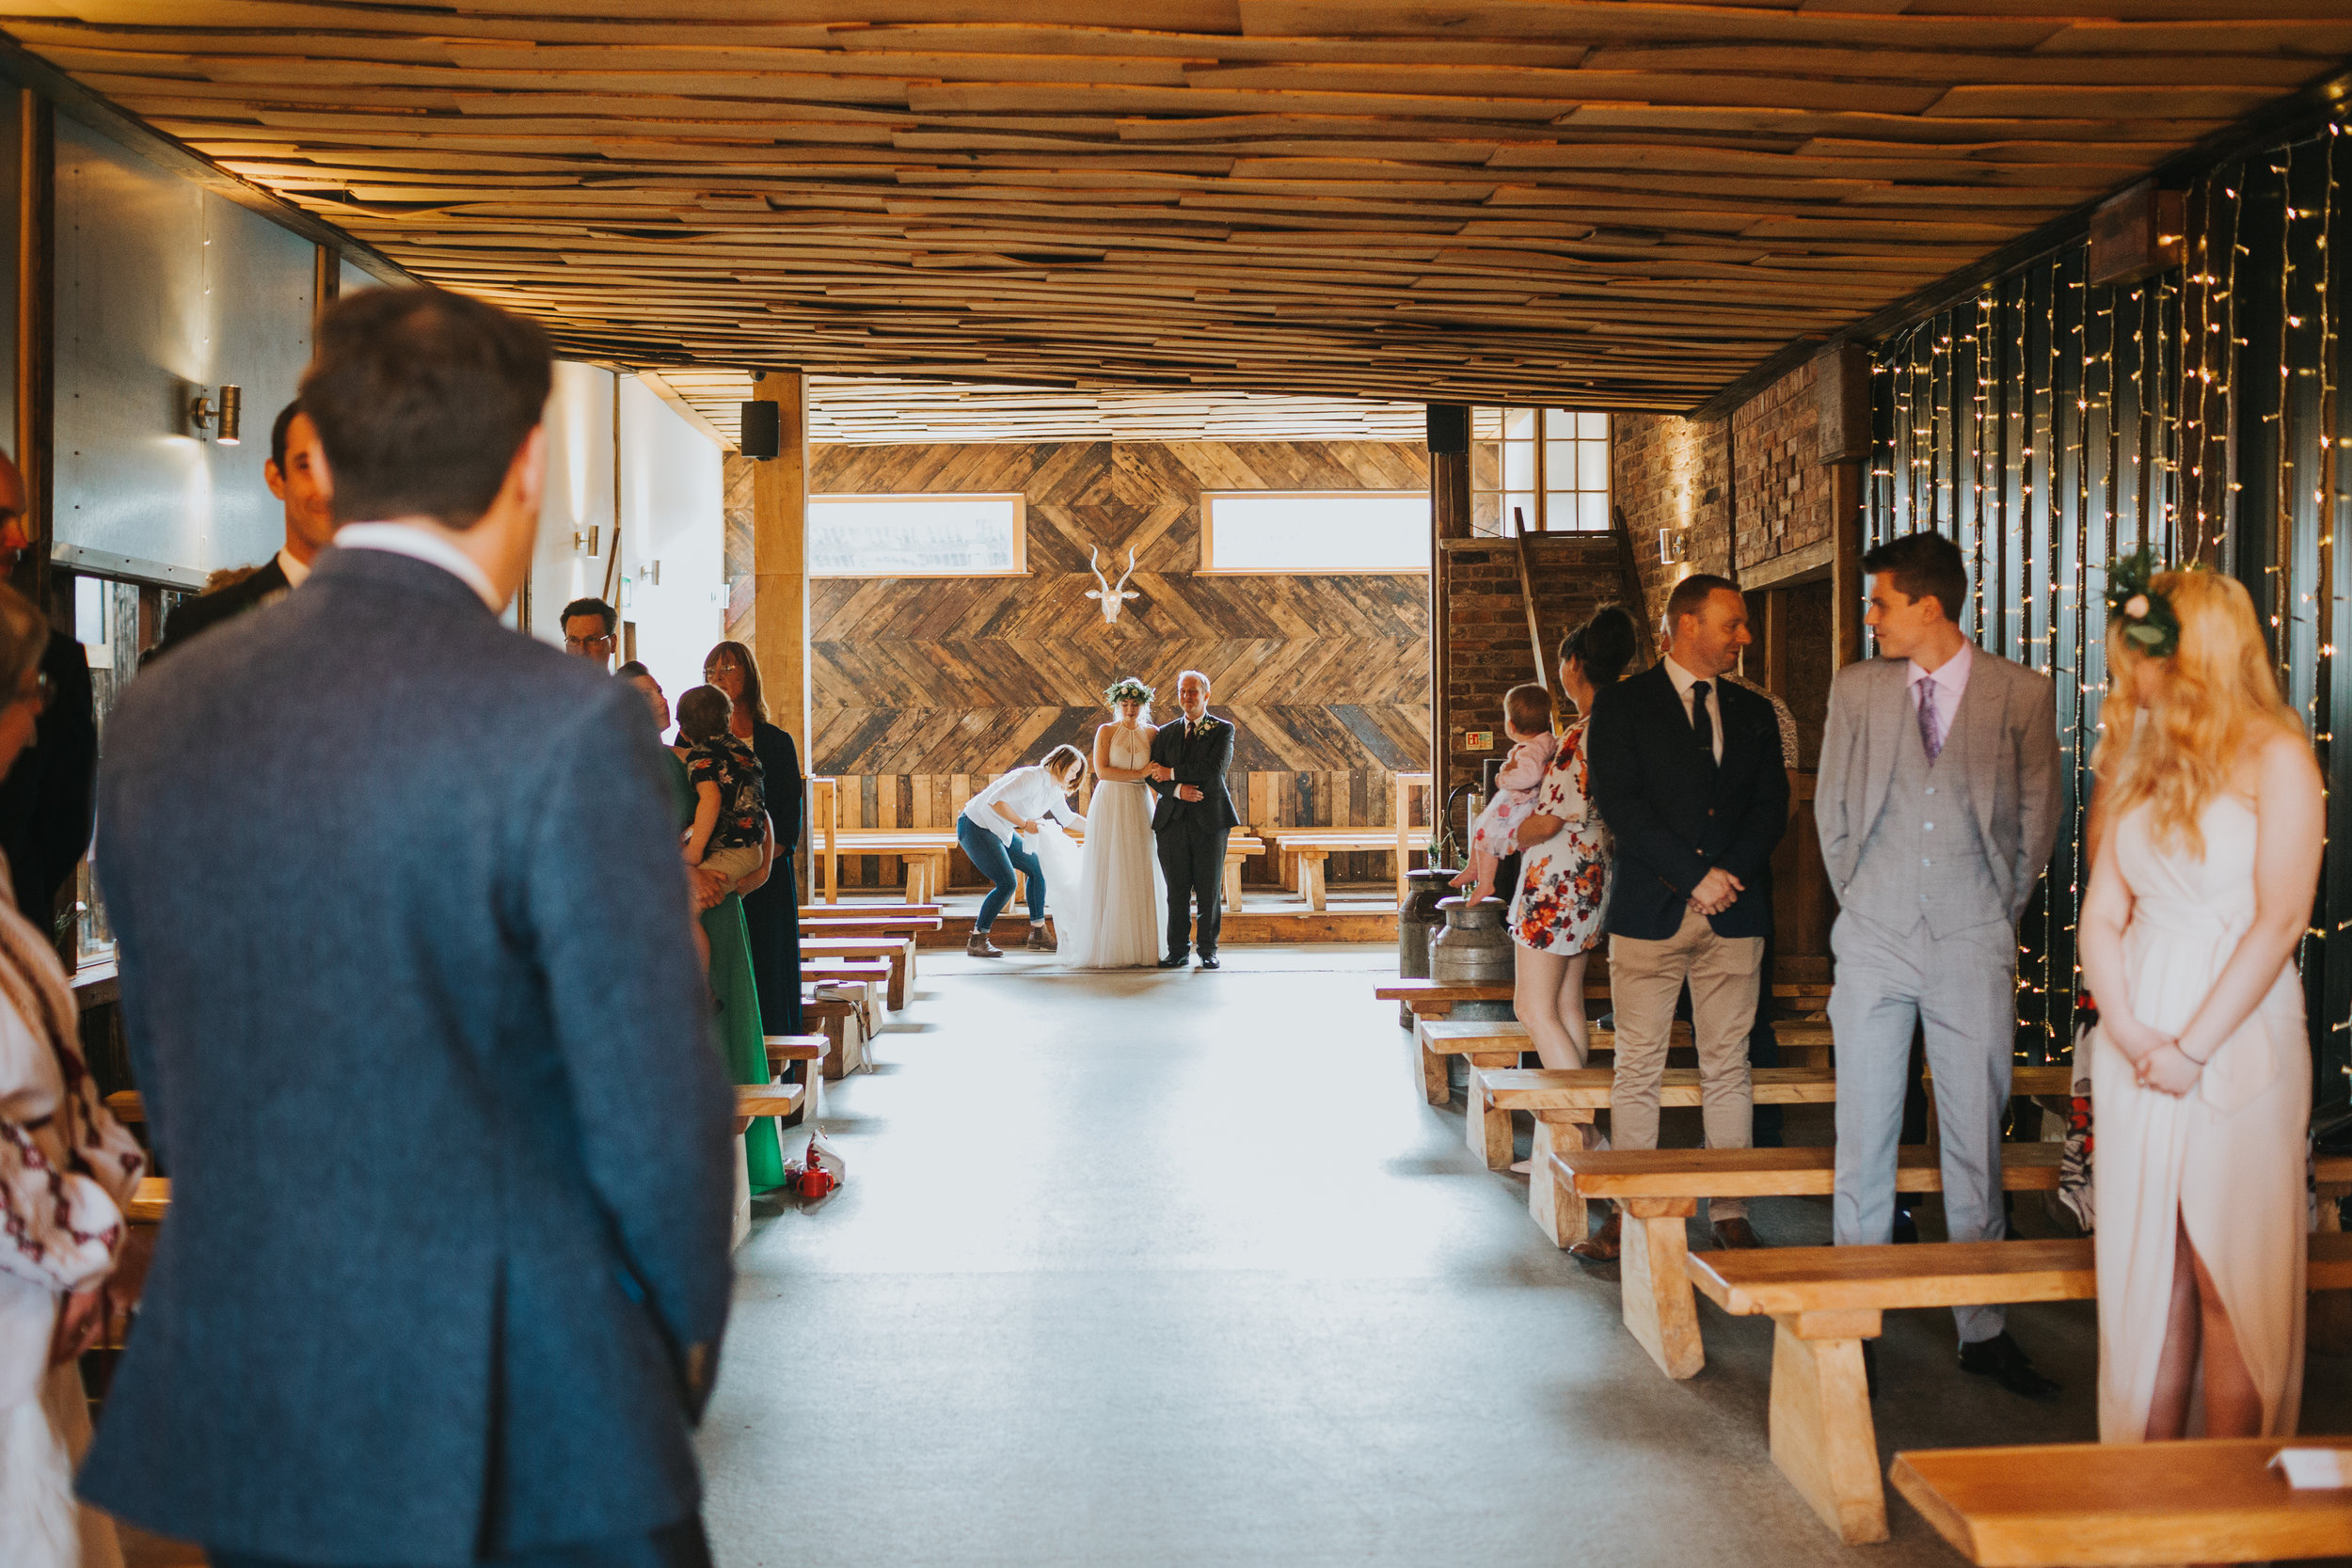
409, 987
1686, 768
310, 528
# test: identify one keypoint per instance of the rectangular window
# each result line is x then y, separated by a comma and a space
1314, 530
917, 536
1545, 469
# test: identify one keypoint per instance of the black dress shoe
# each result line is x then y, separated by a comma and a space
1208, 960
1906, 1228
1999, 1359
1174, 960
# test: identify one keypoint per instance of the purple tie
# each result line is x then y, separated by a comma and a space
1928, 736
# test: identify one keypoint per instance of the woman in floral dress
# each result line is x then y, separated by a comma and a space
1561, 899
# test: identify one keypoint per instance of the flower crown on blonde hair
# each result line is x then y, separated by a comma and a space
1128, 689
2149, 619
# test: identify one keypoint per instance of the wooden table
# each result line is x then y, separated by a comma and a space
1311, 847
2209, 1500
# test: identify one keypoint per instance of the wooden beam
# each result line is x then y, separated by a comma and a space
780, 563
36, 250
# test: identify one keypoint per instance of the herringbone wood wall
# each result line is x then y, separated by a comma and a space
917, 681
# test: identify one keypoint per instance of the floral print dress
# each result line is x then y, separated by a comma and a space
1563, 896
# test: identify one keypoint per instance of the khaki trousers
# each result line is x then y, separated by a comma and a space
1646, 979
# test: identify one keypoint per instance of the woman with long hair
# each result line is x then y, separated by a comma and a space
2211, 823
989, 831
772, 912
66, 1172
1108, 897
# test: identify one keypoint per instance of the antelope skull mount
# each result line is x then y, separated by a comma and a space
1112, 598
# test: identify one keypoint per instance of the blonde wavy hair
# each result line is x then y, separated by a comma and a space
2219, 691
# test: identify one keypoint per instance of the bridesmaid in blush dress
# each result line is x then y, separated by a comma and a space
2211, 824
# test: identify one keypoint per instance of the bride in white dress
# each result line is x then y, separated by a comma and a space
1110, 918
2212, 822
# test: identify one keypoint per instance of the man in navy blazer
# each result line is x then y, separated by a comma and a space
409, 990
1686, 770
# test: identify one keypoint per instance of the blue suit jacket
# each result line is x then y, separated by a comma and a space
1674, 818
410, 990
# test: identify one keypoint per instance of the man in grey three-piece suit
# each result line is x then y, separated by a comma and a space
409, 990
1937, 803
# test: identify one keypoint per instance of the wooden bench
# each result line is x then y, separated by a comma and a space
899, 952
841, 1021
1437, 999
924, 851
866, 979
1658, 1189
150, 1200
1825, 1301
1311, 847
752, 1100
2203, 1500
1562, 1102
1807, 1042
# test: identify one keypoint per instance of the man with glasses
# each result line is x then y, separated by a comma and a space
588, 629
46, 800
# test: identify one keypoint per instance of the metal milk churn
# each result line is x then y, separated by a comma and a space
1416, 922
1473, 949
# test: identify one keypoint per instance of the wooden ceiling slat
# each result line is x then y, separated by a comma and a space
1623, 202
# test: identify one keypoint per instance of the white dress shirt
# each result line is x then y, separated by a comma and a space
1951, 679
401, 539
1683, 681
1030, 794
295, 570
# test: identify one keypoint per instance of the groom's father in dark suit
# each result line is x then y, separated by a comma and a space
1191, 818
1686, 770
409, 987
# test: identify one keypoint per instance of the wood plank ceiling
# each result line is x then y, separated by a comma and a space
1609, 203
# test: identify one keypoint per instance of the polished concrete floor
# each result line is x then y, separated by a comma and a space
1179, 1269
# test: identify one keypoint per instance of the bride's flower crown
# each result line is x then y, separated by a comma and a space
2147, 615
1127, 690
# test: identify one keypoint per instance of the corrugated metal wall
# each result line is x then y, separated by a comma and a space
2050, 426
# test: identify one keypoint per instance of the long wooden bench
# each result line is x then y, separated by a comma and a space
1562, 1102
924, 851
1658, 1189
1438, 999
752, 1100
1825, 1301
899, 952
841, 1019
1498, 1042
2203, 1500
1311, 847
866, 980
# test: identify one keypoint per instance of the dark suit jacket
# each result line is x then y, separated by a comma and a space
1200, 760
49, 796
1674, 818
206, 611
409, 987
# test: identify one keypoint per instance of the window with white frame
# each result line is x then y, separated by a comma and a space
1314, 530
917, 536
1545, 468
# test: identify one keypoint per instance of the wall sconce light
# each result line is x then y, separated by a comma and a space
226, 414
1671, 546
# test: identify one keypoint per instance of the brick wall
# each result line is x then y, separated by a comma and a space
1487, 650
1669, 472
1784, 488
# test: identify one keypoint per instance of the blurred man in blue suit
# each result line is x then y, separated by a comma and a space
446, 1265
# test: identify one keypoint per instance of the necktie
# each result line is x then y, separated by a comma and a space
1928, 732
1701, 725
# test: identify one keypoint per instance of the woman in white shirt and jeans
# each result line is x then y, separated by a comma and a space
985, 833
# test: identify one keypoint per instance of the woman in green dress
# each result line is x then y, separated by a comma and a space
742, 1041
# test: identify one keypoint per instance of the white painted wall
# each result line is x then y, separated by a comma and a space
579, 497
672, 513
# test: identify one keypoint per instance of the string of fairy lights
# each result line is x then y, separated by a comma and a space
2050, 425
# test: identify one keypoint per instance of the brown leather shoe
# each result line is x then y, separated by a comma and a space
1736, 1235
1601, 1245
980, 947
1042, 939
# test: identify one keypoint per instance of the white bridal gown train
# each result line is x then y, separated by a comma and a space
1107, 895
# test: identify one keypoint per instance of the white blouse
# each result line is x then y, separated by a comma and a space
1030, 794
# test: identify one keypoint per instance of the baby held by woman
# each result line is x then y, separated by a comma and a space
1527, 720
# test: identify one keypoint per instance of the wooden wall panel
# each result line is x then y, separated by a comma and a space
914, 677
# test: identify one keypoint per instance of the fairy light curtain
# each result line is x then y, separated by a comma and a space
2049, 425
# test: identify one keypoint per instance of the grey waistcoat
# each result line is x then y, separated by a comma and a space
1924, 860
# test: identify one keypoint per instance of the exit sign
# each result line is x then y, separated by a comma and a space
1479, 740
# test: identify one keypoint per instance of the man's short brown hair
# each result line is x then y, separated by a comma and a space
422, 398
1529, 708
1923, 565
1692, 593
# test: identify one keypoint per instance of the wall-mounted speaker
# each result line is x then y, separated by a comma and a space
763, 429
1449, 429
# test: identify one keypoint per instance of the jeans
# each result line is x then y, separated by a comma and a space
997, 862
